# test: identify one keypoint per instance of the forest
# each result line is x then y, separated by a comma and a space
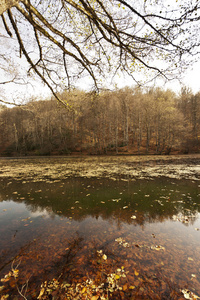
124, 121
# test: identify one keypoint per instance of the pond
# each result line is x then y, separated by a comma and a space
133, 237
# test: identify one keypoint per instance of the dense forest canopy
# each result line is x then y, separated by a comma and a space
127, 121
65, 41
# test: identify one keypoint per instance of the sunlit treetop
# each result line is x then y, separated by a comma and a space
64, 41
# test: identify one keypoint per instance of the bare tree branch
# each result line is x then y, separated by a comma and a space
69, 38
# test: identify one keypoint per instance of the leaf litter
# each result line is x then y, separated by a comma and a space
140, 279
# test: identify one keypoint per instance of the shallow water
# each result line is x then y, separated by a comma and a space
150, 227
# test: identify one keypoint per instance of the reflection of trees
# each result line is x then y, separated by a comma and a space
69, 200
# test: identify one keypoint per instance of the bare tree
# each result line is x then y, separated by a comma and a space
65, 40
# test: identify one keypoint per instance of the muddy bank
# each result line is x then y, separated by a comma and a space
114, 167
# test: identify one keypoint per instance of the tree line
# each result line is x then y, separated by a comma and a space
127, 120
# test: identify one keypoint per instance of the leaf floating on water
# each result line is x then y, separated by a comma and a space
95, 297
126, 245
189, 295
125, 207
104, 257
16, 273
157, 247
2, 287
83, 290
133, 217
4, 297
122, 242
119, 240
24, 220
102, 202
7, 277
116, 200
190, 258
131, 287
125, 287
136, 273
41, 293
100, 253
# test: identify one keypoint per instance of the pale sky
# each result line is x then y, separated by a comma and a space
21, 93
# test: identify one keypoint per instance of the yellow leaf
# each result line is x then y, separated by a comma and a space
83, 290
117, 276
136, 273
41, 293
131, 287
94, 297
104, 257
15, 272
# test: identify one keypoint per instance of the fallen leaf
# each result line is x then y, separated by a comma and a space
125, 287
189, 295
136, 273
95, 297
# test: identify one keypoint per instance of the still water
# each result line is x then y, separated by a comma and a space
151, 228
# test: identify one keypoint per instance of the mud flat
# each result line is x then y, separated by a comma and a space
114, 167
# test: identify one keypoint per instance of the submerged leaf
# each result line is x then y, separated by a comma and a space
136, 273
157, 247
189, 295
131, 287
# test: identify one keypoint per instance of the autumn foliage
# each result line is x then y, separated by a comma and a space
128, 121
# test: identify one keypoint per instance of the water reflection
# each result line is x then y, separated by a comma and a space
77, 198
58, 227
